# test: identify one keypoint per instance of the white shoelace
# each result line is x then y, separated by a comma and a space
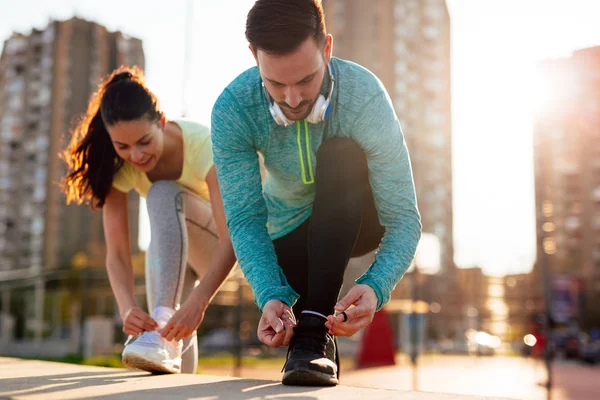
128, 340
190, 344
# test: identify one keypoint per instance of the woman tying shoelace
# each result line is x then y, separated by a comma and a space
123, 143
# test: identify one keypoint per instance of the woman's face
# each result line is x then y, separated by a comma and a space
139, 141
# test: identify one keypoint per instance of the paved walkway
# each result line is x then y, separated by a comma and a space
26, 379
508, 377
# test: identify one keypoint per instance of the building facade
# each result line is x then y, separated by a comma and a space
46, 79
567, 179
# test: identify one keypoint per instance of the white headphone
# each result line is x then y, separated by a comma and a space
319, 112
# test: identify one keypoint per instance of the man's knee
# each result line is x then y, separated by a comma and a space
341, 159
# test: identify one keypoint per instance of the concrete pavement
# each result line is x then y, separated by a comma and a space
32, 380
500, 376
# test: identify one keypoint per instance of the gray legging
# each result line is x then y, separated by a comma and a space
177, 217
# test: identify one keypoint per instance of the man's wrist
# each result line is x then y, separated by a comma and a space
284, 294
273, 299
376, 291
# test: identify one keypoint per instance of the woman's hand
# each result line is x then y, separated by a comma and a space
136, 321
185, 321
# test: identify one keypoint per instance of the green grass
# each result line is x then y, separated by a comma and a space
210, 361
223, 360
226, 360
113, 361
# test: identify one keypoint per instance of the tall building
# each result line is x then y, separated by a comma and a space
406, 43
46, 80
567, 176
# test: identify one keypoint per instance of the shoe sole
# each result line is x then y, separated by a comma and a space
303, 377
135, 361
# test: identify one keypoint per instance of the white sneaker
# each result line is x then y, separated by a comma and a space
153, 353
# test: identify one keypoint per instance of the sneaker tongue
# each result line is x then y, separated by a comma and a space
162, 315
311, 321
310, 334
151, 337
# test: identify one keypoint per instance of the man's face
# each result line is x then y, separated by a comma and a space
294, 80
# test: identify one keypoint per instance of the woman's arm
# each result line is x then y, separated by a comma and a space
118, 263
189, 317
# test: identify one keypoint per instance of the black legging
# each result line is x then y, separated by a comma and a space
343, 223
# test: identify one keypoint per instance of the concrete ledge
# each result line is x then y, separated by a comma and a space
28, 379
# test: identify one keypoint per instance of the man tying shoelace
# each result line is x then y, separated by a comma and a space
338, 184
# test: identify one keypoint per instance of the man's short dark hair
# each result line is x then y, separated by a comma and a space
280, 26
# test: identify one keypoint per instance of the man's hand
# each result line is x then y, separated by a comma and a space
364, 300
275, 327
185, 321
136, 321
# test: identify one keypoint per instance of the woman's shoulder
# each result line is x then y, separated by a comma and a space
196, 137
192, 129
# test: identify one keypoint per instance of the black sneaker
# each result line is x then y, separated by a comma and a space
312, 355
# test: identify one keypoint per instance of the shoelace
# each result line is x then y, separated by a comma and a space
190, 344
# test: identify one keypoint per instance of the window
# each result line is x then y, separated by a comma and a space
434, 11
401, 68
400, 50
42, 142
40, 175
39, 193
37, 225
399, 103
19, 69
399, 11
401, 86
440, 230
435, 85
15, 103
44, 95
434, 119
431, 32
16, 86
437, 140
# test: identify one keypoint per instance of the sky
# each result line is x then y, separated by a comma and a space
495, 45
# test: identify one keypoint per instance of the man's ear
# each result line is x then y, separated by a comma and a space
328, 49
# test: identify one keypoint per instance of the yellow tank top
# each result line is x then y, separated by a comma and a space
197, 161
